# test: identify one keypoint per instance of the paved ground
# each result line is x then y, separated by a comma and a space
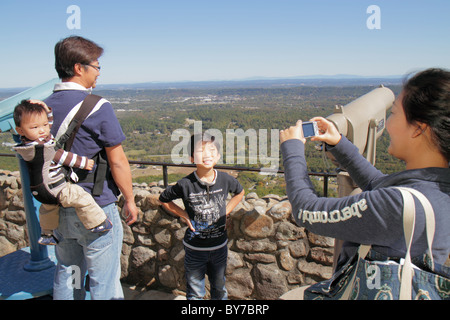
132, 293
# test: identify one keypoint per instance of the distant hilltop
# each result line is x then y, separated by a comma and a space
263, 82
254, 82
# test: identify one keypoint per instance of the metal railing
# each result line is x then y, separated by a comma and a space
165, 165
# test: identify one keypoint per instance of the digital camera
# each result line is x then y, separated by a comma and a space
310, 129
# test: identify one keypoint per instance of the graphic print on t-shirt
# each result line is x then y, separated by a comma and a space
206, 206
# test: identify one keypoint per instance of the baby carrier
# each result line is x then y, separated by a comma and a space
38, 158
44, 187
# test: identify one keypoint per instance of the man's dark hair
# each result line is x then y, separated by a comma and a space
73, 50
426, 99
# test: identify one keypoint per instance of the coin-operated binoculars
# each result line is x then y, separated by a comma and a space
362, 121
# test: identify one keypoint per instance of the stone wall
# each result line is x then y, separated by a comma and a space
268, 254
13, 231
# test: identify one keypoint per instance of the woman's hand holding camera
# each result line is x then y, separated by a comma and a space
293, 132
328, 133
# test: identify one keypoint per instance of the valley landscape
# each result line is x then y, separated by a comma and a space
155, 116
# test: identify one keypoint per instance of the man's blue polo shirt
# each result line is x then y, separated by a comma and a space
101, 129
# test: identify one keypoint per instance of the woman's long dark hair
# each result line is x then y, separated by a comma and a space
426, 99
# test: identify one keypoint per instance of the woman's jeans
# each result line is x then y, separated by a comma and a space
197, 264
80, 250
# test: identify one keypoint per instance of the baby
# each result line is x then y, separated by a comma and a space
49, 178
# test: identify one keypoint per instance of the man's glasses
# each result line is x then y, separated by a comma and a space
95, 67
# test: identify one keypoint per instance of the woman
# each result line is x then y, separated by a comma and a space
419, 128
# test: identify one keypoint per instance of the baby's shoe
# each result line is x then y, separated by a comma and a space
47, 240
103, 227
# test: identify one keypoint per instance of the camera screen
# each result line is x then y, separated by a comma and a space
308, 130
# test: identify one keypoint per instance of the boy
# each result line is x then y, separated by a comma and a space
48, 181
204, 193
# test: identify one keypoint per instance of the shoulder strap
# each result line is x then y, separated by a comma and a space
409, 214
408, 222
66, 140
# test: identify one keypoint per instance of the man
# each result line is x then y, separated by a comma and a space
78, 250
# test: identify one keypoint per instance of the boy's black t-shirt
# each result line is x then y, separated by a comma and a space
206, 206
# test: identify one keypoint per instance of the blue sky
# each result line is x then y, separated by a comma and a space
174, 40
